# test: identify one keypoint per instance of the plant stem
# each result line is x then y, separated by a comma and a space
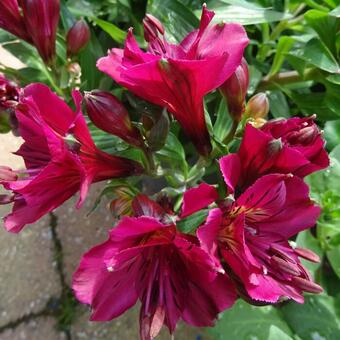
285, 78
150, 162
231, 133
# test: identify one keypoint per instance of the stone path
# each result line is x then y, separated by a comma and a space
36, 267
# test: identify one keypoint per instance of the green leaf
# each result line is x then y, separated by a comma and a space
248, 16
316, 53
87, 59
114, 31
315, 319
335, 12
223, 122
334, 259
159, 132
177, 18
81, 8
276, 333
192, 222
334, 78
255, 77
244, 321
278, 104
325, 188
325, 26
332, 133
310, 103
4, 122
172, 157
284, 45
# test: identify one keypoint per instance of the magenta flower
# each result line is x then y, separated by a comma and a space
60, 157
178, 76
251, 235
146, 258
12, 21
285, 146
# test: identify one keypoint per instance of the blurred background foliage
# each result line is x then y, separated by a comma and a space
293, 56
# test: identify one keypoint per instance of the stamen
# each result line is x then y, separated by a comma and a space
307, 286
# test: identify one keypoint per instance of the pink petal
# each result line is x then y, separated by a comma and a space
263, 199
144, 206
231, 167
208, 234
207, 299
134, 226
298, 213
198, 198
52, 108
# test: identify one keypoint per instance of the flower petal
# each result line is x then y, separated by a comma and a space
198, 198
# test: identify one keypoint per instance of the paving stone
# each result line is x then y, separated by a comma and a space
28, 278
79, 232
42, 328
126, 327
9, 144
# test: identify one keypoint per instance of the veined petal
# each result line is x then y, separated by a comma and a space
198, 198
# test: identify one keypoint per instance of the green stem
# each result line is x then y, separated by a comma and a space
51, 76
150, 162
231, 133
285, 78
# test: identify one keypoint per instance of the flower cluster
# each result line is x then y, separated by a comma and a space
243, 247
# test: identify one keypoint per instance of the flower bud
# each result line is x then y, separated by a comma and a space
109, 115
234, 89
77, 37
257, 106
41, 19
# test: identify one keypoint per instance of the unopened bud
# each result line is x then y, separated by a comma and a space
257, 106
77, 37
109, 115
234, 89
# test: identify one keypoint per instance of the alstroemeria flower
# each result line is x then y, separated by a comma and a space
147, 259
60, 157
179, 76
251, 234
293, 145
